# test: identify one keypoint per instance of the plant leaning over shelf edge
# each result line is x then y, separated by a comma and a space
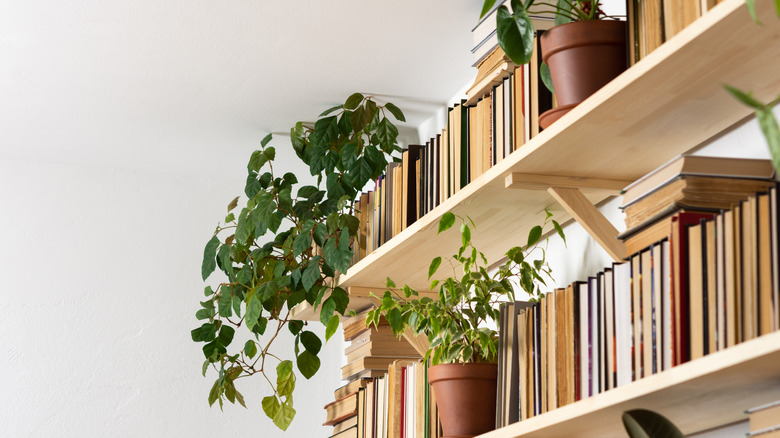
515, 29
456, 323
764, 115
346, 147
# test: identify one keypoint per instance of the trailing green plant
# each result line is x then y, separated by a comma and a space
460, 322
285, 246
515, 30
641, 423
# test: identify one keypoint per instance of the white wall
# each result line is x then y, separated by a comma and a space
100, 270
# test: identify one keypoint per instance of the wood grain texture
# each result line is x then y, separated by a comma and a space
696, 396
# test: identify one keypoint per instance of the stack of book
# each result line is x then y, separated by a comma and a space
347, 413
697, 185
709, 285
370, 351
765, 420
652, 22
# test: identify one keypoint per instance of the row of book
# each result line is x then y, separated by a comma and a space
711, 284
371, 350
652, 22
477, 137
397, 404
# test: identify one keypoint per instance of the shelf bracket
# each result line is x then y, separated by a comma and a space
418, 342
581, 209
566, 191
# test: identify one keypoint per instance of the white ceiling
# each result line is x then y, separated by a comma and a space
189, 85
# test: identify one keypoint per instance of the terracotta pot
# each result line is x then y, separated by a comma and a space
583, 56
466, 398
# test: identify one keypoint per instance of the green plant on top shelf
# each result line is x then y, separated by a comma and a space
515, 29
460, 323
266, 252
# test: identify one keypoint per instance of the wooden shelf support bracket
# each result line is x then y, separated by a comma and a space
566, 191
591, 220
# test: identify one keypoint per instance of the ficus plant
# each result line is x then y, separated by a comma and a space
286, 245
460, 323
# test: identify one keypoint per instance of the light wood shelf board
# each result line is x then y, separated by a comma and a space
699, 395
666, 104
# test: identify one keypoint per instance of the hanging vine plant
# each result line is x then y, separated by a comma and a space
286, 245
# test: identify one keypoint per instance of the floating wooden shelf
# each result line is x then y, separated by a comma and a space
702, 394
668, 103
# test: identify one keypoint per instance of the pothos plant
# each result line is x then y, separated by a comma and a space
285, 246
460, 323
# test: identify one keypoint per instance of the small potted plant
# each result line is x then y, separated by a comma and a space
584, 51
461, 323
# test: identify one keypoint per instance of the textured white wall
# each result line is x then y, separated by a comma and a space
100, 270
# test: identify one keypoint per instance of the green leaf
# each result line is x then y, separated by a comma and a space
326, 310
205, 367
386, 133
250, 349
270, 153
395, 319
341, 298
641, 423
225, 302
515, 32
433, 267
237, 305
486, 7
446, 222
253, 310
391, 284
395, 111
311, 274
353, 101
308, 364
301, 243
563, 12
544, 74
284, 417
751, 7
333, 325
226, 335
330, 110
534, 235
214, 393
311, 342
265, 140
223, 257
257, 161
465, 234
270, 406
559, 230
320, 234
208, 291
233, 204
746, 98
204, 314
285, 379
768, 124
209, 258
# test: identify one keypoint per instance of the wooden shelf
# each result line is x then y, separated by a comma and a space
668, 103
699, 395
